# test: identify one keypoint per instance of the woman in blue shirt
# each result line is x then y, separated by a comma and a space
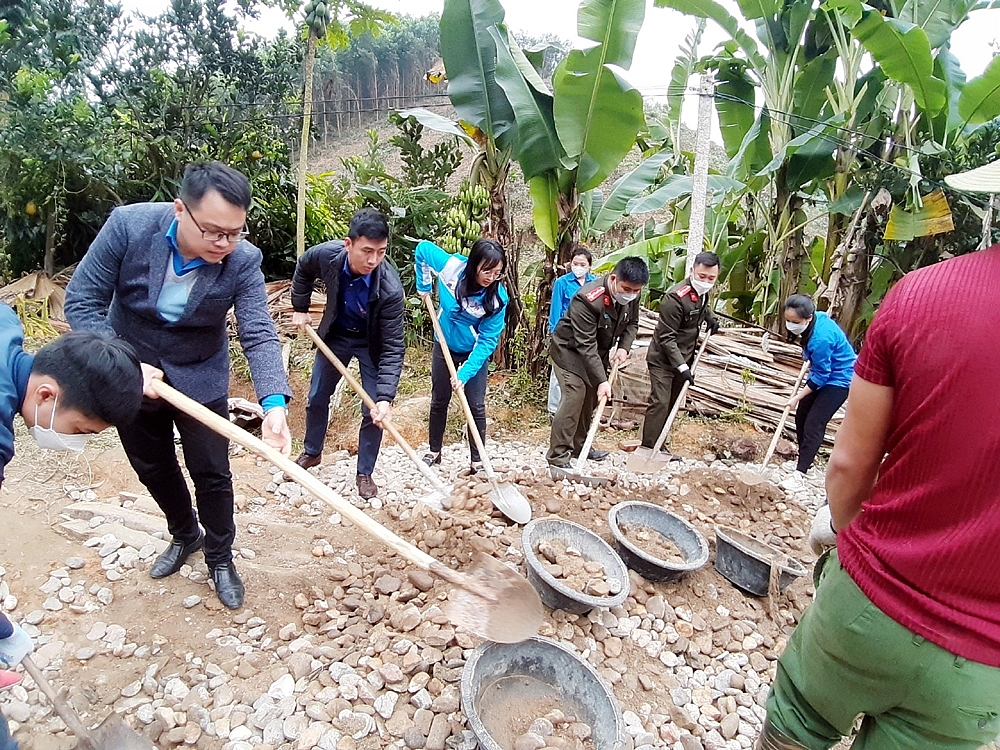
562, 292
472, 316
831, 365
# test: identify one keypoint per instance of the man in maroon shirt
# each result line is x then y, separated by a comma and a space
905, 629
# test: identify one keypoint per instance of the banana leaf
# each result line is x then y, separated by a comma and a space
934, 217
980, 99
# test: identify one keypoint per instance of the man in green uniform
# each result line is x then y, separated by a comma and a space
671, 353
603, 313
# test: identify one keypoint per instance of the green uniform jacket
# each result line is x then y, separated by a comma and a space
675, 338
585, 335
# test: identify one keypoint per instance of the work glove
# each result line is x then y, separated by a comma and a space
15, 647
687, 374
712, 326
822, 535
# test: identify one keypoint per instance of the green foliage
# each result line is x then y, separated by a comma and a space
423, 166
134, 104
414, 212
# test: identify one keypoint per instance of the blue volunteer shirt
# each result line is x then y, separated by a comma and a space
15, 367
562, 292
352, 307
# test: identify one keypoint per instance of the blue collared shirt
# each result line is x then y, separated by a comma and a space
562, 292
352, 307
176, 290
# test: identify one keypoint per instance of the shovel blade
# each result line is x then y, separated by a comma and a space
436, 500
753, 478
508, 500
495, 602
115, 734
642, 461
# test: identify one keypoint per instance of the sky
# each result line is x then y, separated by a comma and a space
662, 34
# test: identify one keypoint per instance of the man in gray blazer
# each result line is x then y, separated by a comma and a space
163, 276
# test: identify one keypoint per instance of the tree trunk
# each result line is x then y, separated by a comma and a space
307, 94
49, 262
853, 289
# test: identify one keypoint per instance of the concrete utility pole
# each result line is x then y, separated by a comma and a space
699, 188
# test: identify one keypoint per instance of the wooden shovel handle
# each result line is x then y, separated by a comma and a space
370, 403
65, 711
784, 418
680, 399
473, 429
319, 490
596, 421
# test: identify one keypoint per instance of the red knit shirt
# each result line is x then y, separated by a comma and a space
926, 548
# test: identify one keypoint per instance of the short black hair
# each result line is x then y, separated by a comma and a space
370, 223
98, 375
230, 183
707, 259
585, 252
632, 269
802, 304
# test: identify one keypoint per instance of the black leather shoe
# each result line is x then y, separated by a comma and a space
174, 557
228, 585
596, 455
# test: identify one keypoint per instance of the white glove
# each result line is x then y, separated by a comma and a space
15, 648
822, 535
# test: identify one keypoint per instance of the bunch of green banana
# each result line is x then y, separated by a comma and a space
464, 219
317, 17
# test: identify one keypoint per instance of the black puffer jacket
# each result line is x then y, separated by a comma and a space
385, 309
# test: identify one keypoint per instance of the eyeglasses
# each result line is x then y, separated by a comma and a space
230, 237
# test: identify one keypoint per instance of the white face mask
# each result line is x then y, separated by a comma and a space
580, 271
623, 298
797, 328
51, 440
702, 287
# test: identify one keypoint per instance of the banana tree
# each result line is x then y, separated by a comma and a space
570, 139
330, 22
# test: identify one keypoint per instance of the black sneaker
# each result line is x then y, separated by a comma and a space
597, 455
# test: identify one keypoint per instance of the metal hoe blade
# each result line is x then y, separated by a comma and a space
556, 473
494, 602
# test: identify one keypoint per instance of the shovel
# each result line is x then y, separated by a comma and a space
754, 477
506, 497
111, 734
490, 600
577, 475
649, 460
441, 493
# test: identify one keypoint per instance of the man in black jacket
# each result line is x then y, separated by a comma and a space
364, 319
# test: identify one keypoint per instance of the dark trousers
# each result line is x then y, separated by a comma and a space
572, 419
475, 394
324, 381
665, 386
149, 445
812, 415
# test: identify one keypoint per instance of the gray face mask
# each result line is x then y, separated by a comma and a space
48, 438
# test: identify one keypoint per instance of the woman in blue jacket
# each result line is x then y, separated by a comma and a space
831, 366
472, 315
